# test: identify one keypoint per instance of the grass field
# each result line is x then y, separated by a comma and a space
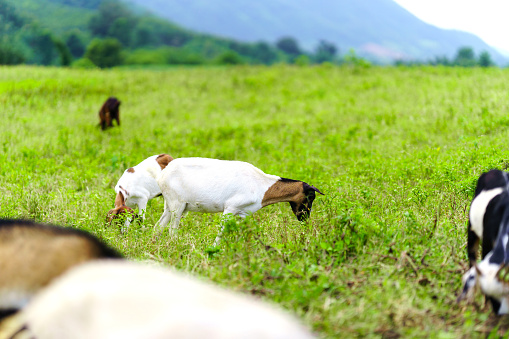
397, 152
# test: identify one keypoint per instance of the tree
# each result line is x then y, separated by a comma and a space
485, 59
465, 57
441, 60
43, 47
63, 51
289, 45
9, 17
75, 44
109, 11
143, 35
121, 29
10, 56
325, 51
263, 52
105, 52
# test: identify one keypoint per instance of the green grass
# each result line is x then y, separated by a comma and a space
397, 151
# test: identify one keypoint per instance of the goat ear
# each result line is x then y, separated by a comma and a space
308, 187
163, 160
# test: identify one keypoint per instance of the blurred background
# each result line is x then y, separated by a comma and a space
107, 33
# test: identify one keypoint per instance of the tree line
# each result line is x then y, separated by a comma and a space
115, 35
465, 57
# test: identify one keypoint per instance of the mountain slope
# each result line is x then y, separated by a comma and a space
379, 28
56, 32
57, 16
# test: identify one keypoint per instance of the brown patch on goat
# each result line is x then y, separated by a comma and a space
299, 194
32, 254
163, 160
130, 170
109, 112
282, 191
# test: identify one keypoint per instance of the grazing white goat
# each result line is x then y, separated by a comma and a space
137, 186
236, 187
32, 255
107, 299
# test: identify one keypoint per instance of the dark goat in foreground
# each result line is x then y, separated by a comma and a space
486, 211
109, 112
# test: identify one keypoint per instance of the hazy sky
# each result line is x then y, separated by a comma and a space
488, 19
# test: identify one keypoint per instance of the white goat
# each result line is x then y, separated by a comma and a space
106, 299
236, 187
137, 186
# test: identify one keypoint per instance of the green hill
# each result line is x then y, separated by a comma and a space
57, 15
376, 28
107, 33
53, 32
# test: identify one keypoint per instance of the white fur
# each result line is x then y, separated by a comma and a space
504, 306
210, 185
488, 281
491, 286
141, 186
130, 300
469, 280
478, 209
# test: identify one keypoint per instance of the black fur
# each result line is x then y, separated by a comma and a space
492, 216
4, 313
288, 180
303, 211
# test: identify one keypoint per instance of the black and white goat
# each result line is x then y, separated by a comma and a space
486, 211
137, 186
32, 255
236, 187
112, 299
491, 200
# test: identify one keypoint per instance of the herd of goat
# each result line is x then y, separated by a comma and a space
58, 282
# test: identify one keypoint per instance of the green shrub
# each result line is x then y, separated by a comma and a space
145, 57
302, 60
83, 63
229, 58
105, 53
10, 56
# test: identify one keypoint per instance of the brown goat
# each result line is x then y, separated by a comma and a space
109, 112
